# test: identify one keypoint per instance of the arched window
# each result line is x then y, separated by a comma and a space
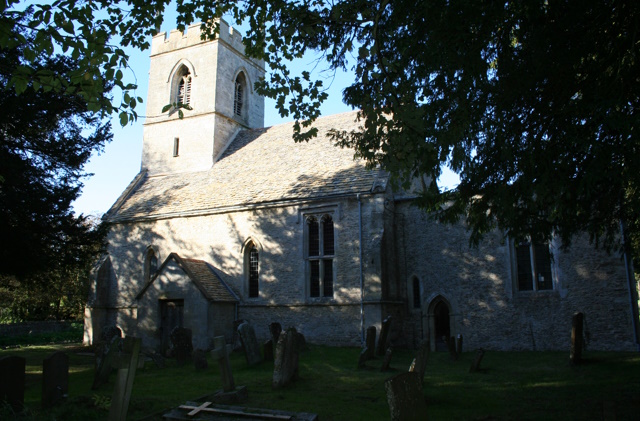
239, 95
184, 87
320, 247
150, 264
252, 265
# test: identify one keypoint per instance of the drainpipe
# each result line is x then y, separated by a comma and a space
628, 268
361, 272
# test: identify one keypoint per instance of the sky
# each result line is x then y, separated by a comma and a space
113, 169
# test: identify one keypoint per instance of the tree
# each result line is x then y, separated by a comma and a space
533, 103
46, 137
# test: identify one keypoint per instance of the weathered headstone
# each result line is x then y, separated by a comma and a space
156, 357
200, 360
364, 357
452, 349
577, 338
285, 368
126, 362
105, 362
274, 329
249, 344
55, 379
475, 366
107, 336
268, 350
181, 344
386, 362
384, 336
371, 342
405, 398
236, 343
229, 393
13, 381
459, 344
419, 363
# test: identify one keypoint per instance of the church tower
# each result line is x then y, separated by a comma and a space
216, 80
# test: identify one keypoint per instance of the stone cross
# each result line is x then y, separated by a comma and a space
13, 381
405, 398
55, 379
249, 344
384, 336
219, 353
577, 338
126, 362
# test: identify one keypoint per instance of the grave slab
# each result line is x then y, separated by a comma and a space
55, 379
207, 411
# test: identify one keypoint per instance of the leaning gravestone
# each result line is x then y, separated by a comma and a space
105, 362
181, 344
267, 349
107, 336
126, 362
274, 329
229, 393
249, 344
405, 398
386, 362
419, 363
577, 338
285, 367
384, 336
55, 379
363, 358
12, 382
371, 342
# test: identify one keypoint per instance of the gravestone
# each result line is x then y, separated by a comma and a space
107, 336
452, 349
419, 363
386, 362
105, 362
371, 342
229, 393
156, 357
285, 367
249, 344
577, 338
274, 329
12, 382
475, 365
55, 379
236, 343
181, 344
405, 398
302, 342
268, 350
459, 344
126, 362
364, 357
384, 336
200, 360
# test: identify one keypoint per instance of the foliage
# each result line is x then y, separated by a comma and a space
74, 333
510, 385
534, 103
46, 137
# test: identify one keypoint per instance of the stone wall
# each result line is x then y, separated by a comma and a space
485, 306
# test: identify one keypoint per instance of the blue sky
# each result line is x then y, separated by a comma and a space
119, 163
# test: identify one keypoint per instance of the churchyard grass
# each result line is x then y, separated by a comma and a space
508, 386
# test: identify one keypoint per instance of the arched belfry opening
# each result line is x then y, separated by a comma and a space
439, 323
240, 96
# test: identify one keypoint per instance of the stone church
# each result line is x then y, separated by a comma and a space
230, 220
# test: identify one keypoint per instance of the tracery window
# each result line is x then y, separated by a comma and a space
533, 266
320, 247
239, 95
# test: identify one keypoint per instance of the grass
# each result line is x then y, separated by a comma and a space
510, 386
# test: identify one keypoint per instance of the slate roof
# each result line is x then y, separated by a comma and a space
203, 275
259, 166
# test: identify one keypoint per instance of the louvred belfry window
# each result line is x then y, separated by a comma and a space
184, 90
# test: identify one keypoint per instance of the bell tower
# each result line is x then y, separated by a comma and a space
215, 79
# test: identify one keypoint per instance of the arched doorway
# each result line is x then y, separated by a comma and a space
439, 323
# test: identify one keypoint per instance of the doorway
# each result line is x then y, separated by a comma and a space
439, 323
171, 316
